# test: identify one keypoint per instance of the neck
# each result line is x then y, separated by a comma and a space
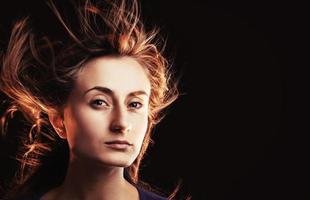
87, 179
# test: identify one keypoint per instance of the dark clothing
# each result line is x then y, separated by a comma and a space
143, 194
146, 195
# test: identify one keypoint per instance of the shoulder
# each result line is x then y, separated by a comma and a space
147, 195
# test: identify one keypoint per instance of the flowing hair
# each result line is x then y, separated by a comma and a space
38, 73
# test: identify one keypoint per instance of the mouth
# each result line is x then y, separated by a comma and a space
118, 144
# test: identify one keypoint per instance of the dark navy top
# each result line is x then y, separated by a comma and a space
143, 194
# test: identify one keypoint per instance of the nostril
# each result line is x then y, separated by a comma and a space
116, 128
120, 128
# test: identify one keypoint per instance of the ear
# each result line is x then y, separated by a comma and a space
56, 120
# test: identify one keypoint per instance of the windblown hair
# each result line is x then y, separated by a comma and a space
38, 73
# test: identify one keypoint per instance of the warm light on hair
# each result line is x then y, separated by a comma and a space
38, 73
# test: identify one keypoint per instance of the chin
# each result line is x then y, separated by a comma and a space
117, 161
112, 159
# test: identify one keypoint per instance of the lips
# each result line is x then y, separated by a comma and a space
118, 142
119, 145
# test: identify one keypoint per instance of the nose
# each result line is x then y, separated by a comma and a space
120, 122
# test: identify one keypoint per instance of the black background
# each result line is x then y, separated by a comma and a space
238, 131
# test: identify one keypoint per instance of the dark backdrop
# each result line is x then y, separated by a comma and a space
243, 68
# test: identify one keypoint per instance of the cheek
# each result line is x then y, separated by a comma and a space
140, 129
85, 127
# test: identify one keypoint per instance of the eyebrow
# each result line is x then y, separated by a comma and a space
111, 93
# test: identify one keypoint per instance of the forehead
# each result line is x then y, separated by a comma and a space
120, 74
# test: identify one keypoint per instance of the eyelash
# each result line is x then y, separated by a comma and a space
140, 104
96, 100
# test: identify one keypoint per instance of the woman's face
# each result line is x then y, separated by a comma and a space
107, 109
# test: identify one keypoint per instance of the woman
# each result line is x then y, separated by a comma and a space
96, 95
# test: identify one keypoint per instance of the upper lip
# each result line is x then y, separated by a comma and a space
118, 142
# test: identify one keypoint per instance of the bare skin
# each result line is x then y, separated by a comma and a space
93, 118
109, 185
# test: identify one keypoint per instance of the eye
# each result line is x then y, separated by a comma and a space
99, 103
135, 105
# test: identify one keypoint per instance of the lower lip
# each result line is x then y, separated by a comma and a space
118, 146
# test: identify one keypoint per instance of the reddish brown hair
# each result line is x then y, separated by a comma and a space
38, 73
